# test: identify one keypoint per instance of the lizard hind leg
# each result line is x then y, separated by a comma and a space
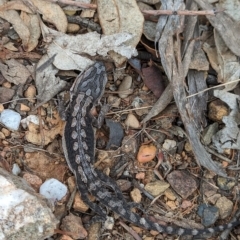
98, 122
97, 219
85, 198
136, 205
108, 182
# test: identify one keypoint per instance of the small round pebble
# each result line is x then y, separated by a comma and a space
16, 169
169, 144
132, 121
136, 195
157, 187
125, 86
53, 189
10, 119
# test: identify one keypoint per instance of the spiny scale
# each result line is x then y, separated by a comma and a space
78, 144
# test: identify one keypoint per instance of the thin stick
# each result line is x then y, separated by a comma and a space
73, 3
218, 155
128, 110
205, 90
181, 12
130, 230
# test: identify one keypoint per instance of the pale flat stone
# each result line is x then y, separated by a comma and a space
24, 214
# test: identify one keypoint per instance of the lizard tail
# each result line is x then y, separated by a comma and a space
150, 225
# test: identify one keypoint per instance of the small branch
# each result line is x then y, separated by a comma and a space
181, 12
130, 230
73, 3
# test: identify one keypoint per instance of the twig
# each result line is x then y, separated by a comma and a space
73, 3
218, 155
181, 12
85, 23
147, 194
15, 100
220, 85
128, 110
130, 230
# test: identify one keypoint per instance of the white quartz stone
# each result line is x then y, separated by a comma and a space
10, 119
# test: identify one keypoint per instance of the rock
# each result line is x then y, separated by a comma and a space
1, 108
213, 199
53, 189
170, 194
72, 28
30, 93
65, 237
183, 183
225, 207
125, 86
208, 213
10, 119
30, 119
217, 109
186, 204
94, 230
225, 184
140, 175
6, 132
169, 144
129, 144
24, 108
79, 205
109, 223
124, 184
2, 136
209, 132
188, 147
132, 121
157, 187
33, 180
136, 195
6, 94
73, 224
208, 187
16, 169
171, 204
24, 213
114, 101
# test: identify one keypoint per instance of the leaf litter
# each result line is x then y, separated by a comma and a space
197, 54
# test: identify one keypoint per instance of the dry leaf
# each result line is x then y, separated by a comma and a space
153, 80
52, 13
10, 46
13, 17
48, 85
124, 16
32, 22
228, 63
222, 60
229, 136
227, 27
15, 5
45, 136
70, 48
14, 71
